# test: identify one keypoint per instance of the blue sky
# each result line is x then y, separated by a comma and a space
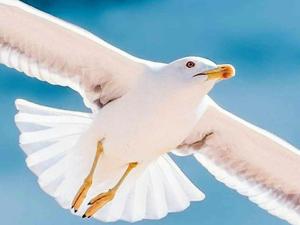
260, 38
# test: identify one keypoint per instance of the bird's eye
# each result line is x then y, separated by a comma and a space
190, 64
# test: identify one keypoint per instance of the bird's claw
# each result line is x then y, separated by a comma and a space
81, 194
98, 202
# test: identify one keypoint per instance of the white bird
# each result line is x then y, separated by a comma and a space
113, 164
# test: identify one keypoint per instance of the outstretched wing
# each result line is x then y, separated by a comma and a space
55, 51
248, 159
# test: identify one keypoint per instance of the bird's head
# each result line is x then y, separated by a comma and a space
194, 75
200, 70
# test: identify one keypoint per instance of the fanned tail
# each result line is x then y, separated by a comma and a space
47, 137
50, 135
162, 188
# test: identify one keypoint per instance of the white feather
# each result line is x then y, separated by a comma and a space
49, 139
248, 159
64, 54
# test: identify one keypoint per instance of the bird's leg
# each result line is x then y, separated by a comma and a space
100, 200
82, 192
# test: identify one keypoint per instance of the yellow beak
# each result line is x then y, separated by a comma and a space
222, 72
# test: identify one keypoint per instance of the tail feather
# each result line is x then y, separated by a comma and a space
161, 188
47, 136
50, 135
33, 109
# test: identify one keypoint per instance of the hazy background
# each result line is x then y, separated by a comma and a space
259, 37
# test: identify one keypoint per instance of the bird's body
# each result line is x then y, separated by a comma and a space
134, 126
113, 163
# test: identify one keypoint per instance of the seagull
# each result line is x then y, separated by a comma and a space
113, 163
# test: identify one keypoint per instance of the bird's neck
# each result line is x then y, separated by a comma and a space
161, 91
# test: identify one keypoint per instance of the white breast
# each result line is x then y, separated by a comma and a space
148, 121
